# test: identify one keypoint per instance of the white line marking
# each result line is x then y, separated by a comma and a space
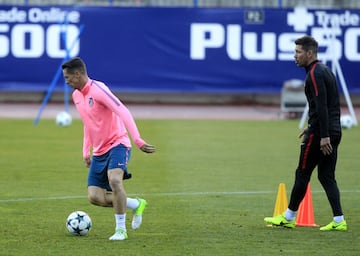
27, 199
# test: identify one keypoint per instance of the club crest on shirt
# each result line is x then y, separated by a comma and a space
91, 102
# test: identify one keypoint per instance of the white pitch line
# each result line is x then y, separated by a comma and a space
27, 199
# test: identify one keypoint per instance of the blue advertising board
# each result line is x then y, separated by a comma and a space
172, 49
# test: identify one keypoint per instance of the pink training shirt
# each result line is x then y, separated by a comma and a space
106, 120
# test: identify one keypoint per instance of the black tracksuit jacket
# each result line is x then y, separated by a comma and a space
322, 94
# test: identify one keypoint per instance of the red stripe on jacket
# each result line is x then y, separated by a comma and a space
313, 79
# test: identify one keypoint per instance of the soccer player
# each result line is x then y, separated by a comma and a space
320, 140
106, 125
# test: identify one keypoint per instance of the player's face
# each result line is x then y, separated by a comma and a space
301, 56
72, 79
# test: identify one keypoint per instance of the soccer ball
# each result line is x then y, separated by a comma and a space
63, 119
78, 223
346, 121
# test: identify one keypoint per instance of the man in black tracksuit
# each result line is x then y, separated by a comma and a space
320, 140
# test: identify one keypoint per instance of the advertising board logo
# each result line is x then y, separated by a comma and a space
337, 33
38, 32
300, 19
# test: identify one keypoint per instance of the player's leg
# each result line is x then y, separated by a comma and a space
119, 158
307, 162
98, 183
118, 191
99, 196
287, 218
326, 176
119, 203
117, 167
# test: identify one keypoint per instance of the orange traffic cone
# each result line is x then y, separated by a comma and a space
281, 203
305, 216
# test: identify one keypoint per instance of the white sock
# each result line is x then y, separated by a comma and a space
120, 221
290, 214
132, 203
338, 219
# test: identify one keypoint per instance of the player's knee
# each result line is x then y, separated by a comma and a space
116, 180
325, 180
94, 198
115, 184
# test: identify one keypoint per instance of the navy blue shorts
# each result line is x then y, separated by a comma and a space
117, 157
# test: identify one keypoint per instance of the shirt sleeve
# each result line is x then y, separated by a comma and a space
320, 95
86, 144
107, 98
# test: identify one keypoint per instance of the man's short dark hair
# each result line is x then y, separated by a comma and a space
308, 43
74, 64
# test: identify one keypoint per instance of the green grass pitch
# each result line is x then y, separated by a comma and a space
209, 186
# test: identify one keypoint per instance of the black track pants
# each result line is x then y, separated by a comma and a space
310, 157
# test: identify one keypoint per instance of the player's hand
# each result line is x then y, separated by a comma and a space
302, 133
87, 162
147, 148
325, 146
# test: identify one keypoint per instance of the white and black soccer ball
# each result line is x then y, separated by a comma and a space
78, 223
63, 119
347, 121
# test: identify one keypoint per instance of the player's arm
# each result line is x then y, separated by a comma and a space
86, 136
110, 100
320, 96
130, 125
86, 148
320, 93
